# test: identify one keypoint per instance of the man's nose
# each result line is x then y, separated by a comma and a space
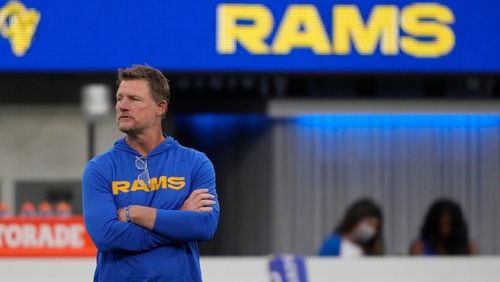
122, 106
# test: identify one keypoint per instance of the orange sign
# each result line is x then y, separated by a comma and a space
45, 237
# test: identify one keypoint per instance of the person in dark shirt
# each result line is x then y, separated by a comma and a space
444, 232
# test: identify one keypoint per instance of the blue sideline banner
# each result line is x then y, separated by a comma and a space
251, 36
288, 268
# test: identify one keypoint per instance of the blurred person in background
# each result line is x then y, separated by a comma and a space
358, 234
63, 209
148, 200
444, 232
4, 210
45, 209
27, 209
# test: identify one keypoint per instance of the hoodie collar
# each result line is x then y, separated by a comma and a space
167, 144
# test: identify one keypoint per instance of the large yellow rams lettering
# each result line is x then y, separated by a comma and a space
173, 182
250, 36
348, 23
412, 22
312, 35
418, 30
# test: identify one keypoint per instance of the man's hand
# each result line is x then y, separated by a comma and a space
121, 215
199, 200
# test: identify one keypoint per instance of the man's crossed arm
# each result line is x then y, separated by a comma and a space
197, 221
199, 201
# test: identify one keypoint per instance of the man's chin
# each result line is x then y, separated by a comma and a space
125, 129
129, 130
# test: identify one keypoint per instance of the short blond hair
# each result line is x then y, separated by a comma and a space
158, 83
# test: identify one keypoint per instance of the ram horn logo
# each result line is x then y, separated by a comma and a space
18, 25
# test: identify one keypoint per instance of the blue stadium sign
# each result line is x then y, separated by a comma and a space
251, 36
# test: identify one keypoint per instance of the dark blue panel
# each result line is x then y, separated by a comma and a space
181, 36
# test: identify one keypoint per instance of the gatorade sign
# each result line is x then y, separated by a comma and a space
47, 237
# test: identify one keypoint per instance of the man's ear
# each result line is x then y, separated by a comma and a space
163, 108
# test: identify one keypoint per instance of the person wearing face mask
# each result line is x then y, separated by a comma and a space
444, 232
358, 234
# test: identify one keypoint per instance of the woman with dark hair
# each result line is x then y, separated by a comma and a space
444, 232
359, 233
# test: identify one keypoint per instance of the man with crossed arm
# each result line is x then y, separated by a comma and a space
148, 200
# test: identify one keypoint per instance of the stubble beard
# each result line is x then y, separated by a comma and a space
132, 131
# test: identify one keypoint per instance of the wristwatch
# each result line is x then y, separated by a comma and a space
126, 214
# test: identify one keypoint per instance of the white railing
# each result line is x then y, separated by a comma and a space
255, 269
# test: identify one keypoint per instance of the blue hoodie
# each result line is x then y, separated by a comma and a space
128, 252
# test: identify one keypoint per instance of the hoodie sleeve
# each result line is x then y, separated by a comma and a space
101, 221
182, 226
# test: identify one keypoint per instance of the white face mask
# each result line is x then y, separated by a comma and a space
365, 232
